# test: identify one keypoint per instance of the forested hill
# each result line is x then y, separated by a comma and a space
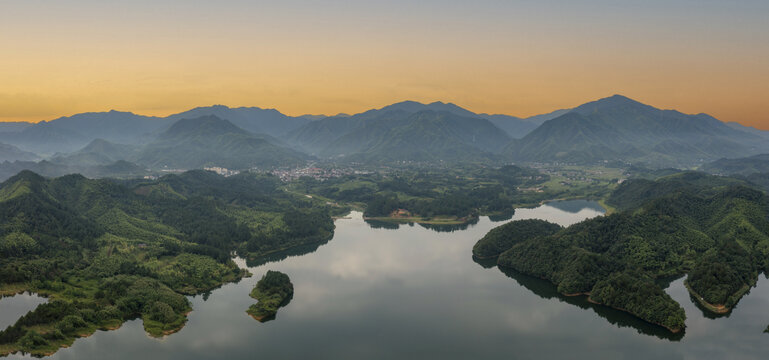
106, 251
211, 141
742, 166
633, 194
713, 229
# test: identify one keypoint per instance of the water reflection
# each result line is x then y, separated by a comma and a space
275, 316
487, 263
415, 293
392, 225
562, 212
576, 206
566, 213
379, 224
14, 307
450, 227
707, 313
547, 290
285, 254
502, 216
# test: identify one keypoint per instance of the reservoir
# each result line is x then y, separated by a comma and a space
410, 292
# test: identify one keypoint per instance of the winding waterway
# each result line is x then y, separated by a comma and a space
413, 292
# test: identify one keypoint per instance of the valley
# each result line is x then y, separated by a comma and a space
133, 232
194, 180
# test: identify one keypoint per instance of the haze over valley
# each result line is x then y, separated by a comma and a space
384, 180
613, 129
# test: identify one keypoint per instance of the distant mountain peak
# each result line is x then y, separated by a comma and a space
407, 102
204, 125
620, 97
253, 119
116, 112
614, 101
411, 106
97, 142
220, 107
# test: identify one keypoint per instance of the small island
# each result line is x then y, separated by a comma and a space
273, 291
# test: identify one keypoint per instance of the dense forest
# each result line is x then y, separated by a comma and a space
273, 291
714, 229
106, 251
501, 238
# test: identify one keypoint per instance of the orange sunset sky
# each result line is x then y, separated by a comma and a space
519, 58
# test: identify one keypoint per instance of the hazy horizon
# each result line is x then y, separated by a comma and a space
514, 58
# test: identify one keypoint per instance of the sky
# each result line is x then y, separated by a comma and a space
520, 58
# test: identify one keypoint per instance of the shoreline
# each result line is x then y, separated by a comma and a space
248, 256
672, 330
421, 220
590, 300
714, 308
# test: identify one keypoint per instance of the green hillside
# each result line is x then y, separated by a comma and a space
739, 166
713, 229
105, 251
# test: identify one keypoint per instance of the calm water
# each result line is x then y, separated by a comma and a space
13, 307
378, 293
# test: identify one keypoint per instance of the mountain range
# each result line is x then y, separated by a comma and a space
611, 129
410, 131
14, 126
206, 141
70, 133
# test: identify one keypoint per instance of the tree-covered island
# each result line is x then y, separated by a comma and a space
273, 291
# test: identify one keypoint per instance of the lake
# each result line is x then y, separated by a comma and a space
413, 292
13, 307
